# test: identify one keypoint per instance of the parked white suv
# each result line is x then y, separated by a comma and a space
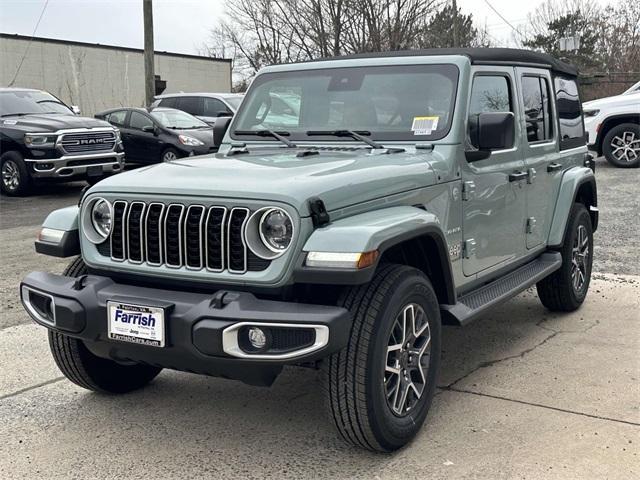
613, 125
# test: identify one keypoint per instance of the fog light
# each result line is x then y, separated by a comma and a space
257, 338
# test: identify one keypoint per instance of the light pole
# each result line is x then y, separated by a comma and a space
149, 67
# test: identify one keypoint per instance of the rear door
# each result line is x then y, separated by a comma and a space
494, 204
192, 105
540, 151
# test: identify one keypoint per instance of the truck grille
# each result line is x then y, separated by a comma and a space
88, 142
194, 237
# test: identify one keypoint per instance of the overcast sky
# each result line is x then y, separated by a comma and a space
182, 25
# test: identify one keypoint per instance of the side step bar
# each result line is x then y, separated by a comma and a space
478, 301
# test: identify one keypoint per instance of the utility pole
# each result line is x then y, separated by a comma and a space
149, 68
455, 24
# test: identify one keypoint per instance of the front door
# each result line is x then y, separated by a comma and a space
143, 146
494, 190
540, 149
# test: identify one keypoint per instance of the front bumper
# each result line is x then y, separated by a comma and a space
202, 329
76, 165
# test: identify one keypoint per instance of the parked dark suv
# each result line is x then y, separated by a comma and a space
42, 139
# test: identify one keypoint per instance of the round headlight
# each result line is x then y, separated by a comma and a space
276, 230
101, 217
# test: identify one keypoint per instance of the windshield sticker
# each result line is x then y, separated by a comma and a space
10, 122
424, 125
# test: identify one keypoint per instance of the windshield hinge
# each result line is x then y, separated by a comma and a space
319, 215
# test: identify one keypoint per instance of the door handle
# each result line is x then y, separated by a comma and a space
554, 167
517, 176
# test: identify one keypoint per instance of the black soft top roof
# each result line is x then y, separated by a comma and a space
482, 56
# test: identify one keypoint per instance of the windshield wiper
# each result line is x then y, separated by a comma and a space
279, 135
359, 135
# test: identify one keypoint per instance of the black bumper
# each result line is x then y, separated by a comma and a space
194, 324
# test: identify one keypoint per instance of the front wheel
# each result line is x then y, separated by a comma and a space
621, 145
15, 179
89, 371
380, 387
169, 155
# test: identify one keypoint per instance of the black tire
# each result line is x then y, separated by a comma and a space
14, 176
169, 154
624, 134
93, 180
88, 371
355, 380
558, 292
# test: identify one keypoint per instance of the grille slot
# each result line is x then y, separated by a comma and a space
194, 237
173, 235
88, 142
237, 250
193, 255
118, 234
214, 235
153, 230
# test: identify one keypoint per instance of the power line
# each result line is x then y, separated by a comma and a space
26, 50
503, 19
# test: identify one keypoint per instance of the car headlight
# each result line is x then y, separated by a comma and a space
118, 136
591, 112
97, 220
32, 140
187, 140
269, 232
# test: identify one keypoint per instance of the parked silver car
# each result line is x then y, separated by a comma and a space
206, 106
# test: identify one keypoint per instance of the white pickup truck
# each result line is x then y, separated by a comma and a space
613, 125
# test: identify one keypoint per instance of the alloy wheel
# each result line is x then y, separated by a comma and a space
10, 175
169, 156
626, 147
407, 359
579, 259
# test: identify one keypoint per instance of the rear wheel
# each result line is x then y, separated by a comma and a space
566, 288
15, 179
87, 370
380, 387
621, 145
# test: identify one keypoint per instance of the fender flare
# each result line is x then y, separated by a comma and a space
376, 230
65, 220
572, 181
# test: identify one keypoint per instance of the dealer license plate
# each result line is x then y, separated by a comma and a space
136, 324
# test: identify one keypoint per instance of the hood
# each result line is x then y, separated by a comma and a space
50, 123
622, 100
340, 179
205, 135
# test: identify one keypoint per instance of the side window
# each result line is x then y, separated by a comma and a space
213, 107
192, 105
569, 112
139, 120
489, 93
168, 102
537, 108
117, 118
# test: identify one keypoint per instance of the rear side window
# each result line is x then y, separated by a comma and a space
213, 107
117, 118
537, 108
192, 105
168, 102
569, 112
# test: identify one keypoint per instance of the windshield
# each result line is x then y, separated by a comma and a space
234, 101
177, 119
26, 102
404, 102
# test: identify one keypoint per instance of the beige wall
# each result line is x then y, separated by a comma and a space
96, 78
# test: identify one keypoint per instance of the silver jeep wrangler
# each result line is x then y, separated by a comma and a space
355, 205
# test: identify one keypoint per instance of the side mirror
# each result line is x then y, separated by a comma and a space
75, 109
219, 130
225, 114
149, 129
490, 131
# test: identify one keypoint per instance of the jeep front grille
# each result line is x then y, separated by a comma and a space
88, 142
194, 237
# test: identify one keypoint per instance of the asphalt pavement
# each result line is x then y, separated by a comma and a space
524, 394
